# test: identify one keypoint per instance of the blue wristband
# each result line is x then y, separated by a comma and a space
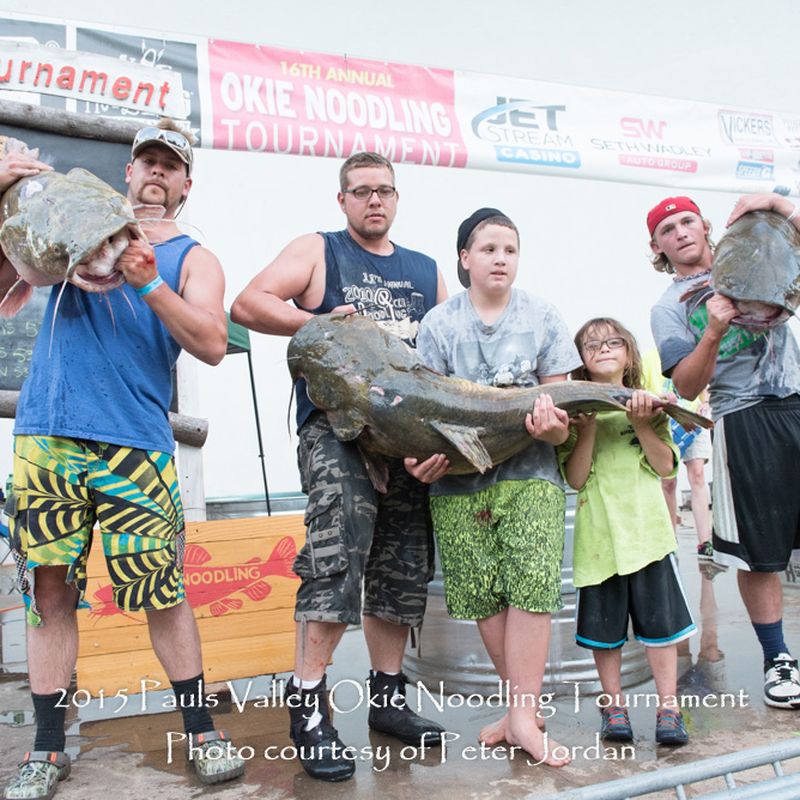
147, 288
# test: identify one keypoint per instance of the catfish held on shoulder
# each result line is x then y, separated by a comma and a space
56, 228
376, 393
756, 266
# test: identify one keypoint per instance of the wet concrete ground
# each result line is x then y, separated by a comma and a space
126, 756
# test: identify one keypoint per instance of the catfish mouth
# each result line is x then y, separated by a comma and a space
97, 283
759, 316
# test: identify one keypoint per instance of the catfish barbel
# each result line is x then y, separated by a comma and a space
377, 393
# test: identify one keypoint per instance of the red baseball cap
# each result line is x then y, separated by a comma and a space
668, 206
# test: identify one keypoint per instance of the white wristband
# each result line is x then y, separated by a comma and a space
794, 213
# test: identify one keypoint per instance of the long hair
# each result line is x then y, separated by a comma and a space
632, 377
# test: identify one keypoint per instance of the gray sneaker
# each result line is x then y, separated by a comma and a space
215, 758
38, 775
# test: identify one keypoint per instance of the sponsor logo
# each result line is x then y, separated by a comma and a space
741, 127
754, 154
526, 132
539, 157
640, 128
643, 145
791, 131
755, 171
658, 162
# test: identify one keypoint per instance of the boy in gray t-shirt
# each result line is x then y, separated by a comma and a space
501, 534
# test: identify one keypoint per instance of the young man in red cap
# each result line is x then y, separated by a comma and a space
754, 381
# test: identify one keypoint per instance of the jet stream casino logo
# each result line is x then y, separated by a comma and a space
526, 132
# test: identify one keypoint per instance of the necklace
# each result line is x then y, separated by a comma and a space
682, 278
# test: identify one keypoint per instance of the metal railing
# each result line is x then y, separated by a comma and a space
781, 787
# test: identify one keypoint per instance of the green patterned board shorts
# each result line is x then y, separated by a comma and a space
501, 547
62, 487
357, 540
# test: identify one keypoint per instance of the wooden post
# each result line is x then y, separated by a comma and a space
191, 431
67, 123
189, 456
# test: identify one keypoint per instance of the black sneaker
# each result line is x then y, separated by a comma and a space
389, 713
320, 750
781, 682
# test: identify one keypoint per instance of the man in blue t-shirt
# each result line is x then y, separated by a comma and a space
93, 446
355, 535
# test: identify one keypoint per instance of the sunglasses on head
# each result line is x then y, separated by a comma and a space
153, 134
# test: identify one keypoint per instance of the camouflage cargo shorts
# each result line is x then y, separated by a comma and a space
355, 534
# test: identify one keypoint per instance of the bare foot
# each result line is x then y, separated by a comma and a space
495, 732
525, 733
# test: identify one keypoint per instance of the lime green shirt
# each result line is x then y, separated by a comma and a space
622, 523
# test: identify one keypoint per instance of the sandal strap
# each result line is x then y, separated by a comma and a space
210, 736
57, 757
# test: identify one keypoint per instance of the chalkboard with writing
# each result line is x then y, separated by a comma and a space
104, 159
17, 337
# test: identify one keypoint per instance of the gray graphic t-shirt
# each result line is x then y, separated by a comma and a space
529, 341
750, 366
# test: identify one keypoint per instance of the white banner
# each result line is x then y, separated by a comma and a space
90, 77
555, 129
256, 97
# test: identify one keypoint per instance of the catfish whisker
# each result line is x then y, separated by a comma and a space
125, 297
111, 313
55, 314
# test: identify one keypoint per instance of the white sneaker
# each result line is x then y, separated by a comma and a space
782, 682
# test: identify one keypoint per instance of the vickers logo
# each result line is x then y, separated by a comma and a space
738, 127
526, 132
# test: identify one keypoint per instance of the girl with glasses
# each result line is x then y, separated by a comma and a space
624, 542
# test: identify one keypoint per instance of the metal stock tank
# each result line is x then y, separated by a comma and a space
450, 650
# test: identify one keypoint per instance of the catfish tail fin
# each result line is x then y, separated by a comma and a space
685, 418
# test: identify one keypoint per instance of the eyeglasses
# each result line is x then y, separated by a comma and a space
365, 193
595, 345
175, 140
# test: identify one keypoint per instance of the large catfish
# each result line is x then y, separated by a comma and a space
58, 227
376, 392
757, 265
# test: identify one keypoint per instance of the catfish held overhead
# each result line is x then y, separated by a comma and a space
375, 391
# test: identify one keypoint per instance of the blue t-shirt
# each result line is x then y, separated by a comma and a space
106, 374
396, 291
